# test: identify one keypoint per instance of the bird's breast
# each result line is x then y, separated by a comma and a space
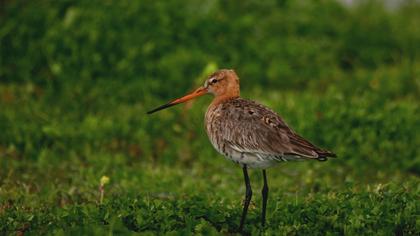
232, 137
214, 127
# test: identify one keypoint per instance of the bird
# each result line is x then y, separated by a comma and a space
248, 133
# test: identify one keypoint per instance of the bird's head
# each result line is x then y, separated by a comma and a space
222, 83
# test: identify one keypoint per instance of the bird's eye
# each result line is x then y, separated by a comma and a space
213, 81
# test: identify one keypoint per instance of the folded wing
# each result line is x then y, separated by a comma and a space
257, 129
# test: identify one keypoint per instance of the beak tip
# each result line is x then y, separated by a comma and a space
151, 111
160, 108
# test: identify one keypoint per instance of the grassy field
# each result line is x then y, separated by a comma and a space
77, 77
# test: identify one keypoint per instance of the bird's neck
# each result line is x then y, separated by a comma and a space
222, 98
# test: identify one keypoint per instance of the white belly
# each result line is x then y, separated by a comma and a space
252, 160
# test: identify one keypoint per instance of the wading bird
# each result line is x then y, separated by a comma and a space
248, 133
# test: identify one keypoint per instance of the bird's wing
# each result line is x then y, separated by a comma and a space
257, 129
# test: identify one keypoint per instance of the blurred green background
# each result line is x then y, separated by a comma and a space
76, 78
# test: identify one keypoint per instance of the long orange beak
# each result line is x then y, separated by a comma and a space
199, 92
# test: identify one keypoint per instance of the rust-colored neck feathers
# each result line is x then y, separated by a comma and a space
226, 88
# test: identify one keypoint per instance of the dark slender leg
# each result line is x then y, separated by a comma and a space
248, 196
264, 192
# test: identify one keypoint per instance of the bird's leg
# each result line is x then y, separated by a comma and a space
248, 196
264, 192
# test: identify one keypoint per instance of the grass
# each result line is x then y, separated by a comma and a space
76, 79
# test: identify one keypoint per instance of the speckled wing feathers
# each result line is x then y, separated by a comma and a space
249, 127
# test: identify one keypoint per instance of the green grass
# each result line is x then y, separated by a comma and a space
77, 77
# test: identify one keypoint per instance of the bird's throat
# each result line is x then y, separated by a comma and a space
222, 98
